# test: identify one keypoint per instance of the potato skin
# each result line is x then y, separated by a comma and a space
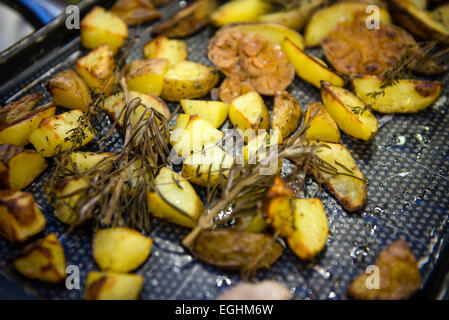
399, 276
287, 113
69, 91
135, 11
113, 286
188, 80
236, 250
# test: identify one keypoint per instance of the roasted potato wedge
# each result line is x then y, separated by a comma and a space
120, 249
133, 12
103, 27
349, 112
161, 47
208, 166
113, 286
114, 105
239, 11
405, 96
287, 113
17, 121
19, 167
249, 112
175, 200
69, 91
188, 80
63, 195
236, 251
87, 160
310, 228
191, 133
417, 21
53, 135
97, 69
294, 18
325, 20
215, 112
258, 150
399, 276
348, 185
309, 68
322, 127
187, 21
20, 218
271, 31
146, 76
42, 260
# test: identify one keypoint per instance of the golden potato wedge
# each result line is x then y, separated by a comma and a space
42, 260
270, 31
287, 113
249, 112
188, 80
309, 68
17, 120
405, 96
294, 18
208, 166
120, 249
69, 91
349, 112
348, 185
239, 11
399, 276
20, 218
215, 112
277, 207
417, 21
19, 167
54, 134
322, 127
114, 105
63, 195
100, 27
87, 160
161, 47
175, 200
97, 69
133, 12
254, 223
113, 286
146, 76
259, 148
325, 20
191, 133
310, 228
236, 250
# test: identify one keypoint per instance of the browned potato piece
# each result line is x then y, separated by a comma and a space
234, 250
69, 91
161, 47
146, 76
97, 69
418, 21
349, 184
19, 167
399, 276
135, 11
113, 286
187, 21
20, 218
287, 113
17, 120
102, 27
42, 260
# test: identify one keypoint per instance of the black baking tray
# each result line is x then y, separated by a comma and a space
406, 164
